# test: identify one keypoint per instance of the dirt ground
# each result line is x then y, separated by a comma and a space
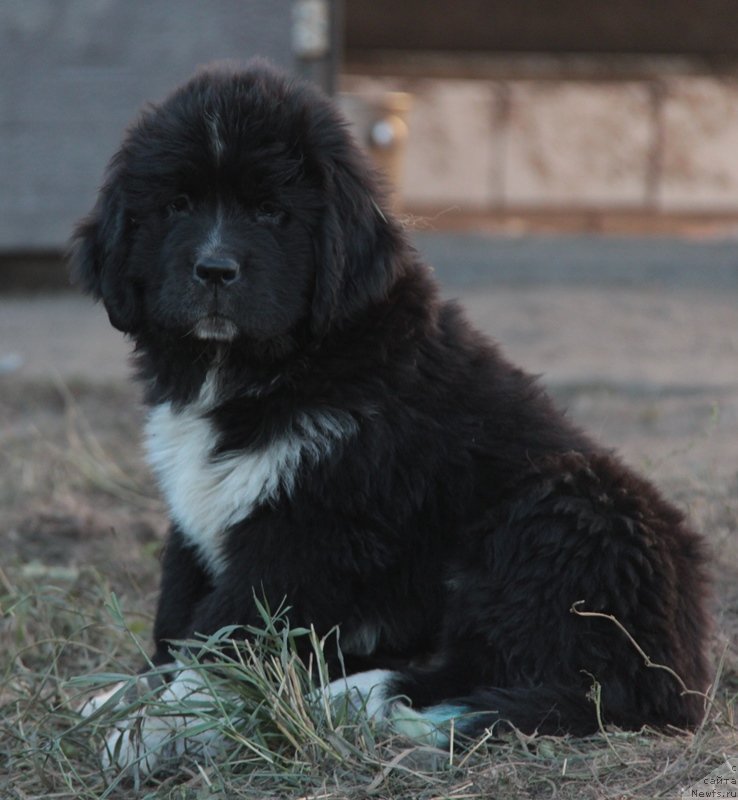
651, 370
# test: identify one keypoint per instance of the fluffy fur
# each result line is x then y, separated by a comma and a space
328, 431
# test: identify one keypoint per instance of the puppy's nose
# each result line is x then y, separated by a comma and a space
216, 270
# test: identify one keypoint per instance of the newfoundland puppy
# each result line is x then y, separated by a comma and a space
330, 434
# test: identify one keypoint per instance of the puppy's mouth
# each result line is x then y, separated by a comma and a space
216, 328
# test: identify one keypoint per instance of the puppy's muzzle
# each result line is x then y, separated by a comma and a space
216, 271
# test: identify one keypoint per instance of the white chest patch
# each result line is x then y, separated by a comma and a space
206, 492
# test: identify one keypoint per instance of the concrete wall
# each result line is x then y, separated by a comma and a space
665, 144
74, 73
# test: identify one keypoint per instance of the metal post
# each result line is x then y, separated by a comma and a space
317, 36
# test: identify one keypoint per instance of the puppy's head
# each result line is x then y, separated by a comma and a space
237, 210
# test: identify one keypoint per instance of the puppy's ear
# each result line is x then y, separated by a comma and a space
98, 254
360, 244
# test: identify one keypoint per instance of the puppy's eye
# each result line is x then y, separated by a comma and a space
180, 205
267, 211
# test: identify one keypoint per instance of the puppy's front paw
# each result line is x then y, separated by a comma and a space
96, 702
161, 728
137, 746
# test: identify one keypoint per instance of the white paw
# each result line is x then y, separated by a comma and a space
176, 722
368, 693
89, 707
365, 691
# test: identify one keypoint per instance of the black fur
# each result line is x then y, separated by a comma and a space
465, 517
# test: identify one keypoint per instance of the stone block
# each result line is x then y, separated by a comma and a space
453, 147
699, 165
578, 144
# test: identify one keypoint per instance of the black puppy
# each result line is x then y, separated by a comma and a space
328, 432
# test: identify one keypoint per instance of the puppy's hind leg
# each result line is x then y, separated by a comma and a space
375, 694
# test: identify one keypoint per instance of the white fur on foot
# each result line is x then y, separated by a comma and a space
366, 691
142, 743
430, 726
138, 745
89, 707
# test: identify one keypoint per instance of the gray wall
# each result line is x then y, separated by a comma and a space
73, 73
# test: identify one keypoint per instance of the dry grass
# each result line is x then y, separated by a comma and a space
63, 642
80, 533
